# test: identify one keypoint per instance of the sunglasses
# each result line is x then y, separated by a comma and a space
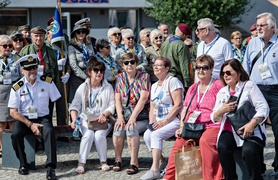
96, 70
117, 34
200, 29
106, 47
158, 37
80, 32
204, 68
147, 35
18, 40
7, 45
130, 38
131, 62
228, 73
31, 68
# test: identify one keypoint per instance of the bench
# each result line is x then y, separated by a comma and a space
9, 159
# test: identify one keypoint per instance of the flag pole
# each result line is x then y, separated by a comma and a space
63, 70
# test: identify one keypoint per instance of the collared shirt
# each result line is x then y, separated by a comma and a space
220, 50
270, 57
250, 93
40, 93
11, 66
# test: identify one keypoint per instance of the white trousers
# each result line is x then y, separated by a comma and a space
88, 137
154, 139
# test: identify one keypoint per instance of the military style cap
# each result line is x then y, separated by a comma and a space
16, 34
26, 26
50, 20
38, 30
28, 61
253, 27
83, 22
184, 28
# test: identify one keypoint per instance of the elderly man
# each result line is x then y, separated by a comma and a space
254, 33
179, 54
47, 58
28, 105
260, 62
212, 44
163, 28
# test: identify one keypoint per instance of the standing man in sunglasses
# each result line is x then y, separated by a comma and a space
47, 58
28, 105
260, 62
212, 44
178, 53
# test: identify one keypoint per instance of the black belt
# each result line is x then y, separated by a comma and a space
269, 86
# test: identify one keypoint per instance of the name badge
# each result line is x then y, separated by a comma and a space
32, 112
264, 71
7, 77
193, 117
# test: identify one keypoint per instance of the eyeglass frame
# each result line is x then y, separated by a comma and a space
7, 45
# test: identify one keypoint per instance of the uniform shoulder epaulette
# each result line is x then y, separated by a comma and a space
18, 85
46, 79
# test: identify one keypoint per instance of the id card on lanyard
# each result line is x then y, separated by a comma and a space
32, 110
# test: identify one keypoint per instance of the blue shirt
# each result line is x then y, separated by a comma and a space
270, 57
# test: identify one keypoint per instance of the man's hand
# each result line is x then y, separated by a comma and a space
35, 129
65, 78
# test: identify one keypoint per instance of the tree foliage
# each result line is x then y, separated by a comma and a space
222, 12
4, 3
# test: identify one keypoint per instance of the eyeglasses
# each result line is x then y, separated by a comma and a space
261, 25
18, 40
204, 68
158, 37
158, 65
237, 38
96, 70
128, 38
31, 68
107, 47
117, 34
7, 45
200, 29
147, 35
131, 62
80, 32
228, 73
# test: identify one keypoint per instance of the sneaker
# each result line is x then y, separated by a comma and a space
149, 175
162, 173
162, 165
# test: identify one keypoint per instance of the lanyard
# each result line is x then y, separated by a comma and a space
210, 46
86, 55
29, 93
267, 50
198, 97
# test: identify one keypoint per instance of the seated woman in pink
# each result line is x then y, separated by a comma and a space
204, 96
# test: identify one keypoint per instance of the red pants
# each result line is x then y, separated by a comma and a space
211, 167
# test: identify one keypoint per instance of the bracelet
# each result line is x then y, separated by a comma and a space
257, 121
30, 125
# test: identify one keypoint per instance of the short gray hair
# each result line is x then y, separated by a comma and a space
112, 31
271, 21
155, 33
206, 23
127, 31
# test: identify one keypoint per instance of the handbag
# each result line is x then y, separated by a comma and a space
192, 130
188, 162
241, 116
93, 123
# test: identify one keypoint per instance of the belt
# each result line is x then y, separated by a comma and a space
269, 86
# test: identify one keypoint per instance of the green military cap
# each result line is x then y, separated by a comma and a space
28, 61
38, 30
26, 26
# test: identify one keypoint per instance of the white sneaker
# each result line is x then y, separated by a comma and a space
150, 175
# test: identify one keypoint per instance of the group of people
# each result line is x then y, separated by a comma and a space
148, 86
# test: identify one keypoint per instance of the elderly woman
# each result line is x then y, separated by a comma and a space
132, 90
79, 52
166, 102
145, 41
18, 43
93, 97
202, 101
103, 54
131, 46
236, 80
10, 73
114, 35
153, 51
237, 47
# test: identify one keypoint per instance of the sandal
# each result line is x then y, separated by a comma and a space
132, 169
80, 170
117, 166
105, 167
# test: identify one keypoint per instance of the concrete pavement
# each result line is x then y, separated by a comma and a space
68, 155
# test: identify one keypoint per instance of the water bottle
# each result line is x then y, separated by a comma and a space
75, 133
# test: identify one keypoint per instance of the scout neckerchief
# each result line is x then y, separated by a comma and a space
110, 63
239, 52
135, 47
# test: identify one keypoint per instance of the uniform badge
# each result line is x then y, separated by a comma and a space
42, 90
17, 85
274, 55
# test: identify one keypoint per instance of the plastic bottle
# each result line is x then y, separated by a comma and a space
75, 133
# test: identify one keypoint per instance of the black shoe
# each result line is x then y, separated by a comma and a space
23, 170
50, 175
